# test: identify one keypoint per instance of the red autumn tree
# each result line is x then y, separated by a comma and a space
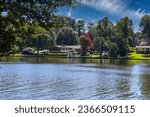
86, 43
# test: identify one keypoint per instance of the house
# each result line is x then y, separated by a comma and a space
143, 49
54, 48
143, 46
65, 48
28, 50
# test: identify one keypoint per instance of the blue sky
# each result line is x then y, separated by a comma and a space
94, 10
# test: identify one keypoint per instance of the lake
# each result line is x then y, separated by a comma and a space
43, 78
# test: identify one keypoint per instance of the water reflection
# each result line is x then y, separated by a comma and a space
53, 78
145, 86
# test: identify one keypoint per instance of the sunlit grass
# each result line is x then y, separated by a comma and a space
132, 55
16, 55
95, 56
50, 54
135, 55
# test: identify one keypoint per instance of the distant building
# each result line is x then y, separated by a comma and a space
143, 49
65, 48
54, 48
143, 46
28, 50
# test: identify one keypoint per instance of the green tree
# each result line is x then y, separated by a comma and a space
124, 35
40, 38
138, 37
66, 36
35, 36
103, 35
27, 11
67, 22
7, 35
113, 49
92, 29
33, 10
98, 44
105, 28
145, 26
80, 27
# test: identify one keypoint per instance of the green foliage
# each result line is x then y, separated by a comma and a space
105, 28
67, 22
80, 27
124, 35
66, 36
7, 34
113, 39
104, 36
113, 49
92, 30
33, 10
17, 17
35, 36
83, 47
100, 44
145, 26
34, 23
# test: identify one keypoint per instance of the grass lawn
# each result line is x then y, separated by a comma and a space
95, 56
16, 55
40, 54
132, 55
135, 55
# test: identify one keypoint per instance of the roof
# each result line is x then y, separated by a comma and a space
142, 46
28, 49
69, 46
144, 42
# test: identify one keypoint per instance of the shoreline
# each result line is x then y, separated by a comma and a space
77, 57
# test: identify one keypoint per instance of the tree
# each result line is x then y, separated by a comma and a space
105, 28
145, 26
67, 22
91, 29
80, 27
124, 34
98, 43
103, 35
66, 36
138, 37
40, 38
7, 35
27, 11
34, 36
33, 10
86, 43
113, 49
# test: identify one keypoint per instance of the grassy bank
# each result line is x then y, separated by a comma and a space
40, 54
138, 56
132, 56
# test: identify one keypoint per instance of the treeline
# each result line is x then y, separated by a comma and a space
103, 36
28, 23
34, 24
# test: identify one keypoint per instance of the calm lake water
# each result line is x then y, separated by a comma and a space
59, 78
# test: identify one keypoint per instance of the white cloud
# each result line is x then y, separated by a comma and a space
117, 7
111, 6
70, 11
139, 13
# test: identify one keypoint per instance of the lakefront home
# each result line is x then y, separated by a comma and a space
143, 47
65, 48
